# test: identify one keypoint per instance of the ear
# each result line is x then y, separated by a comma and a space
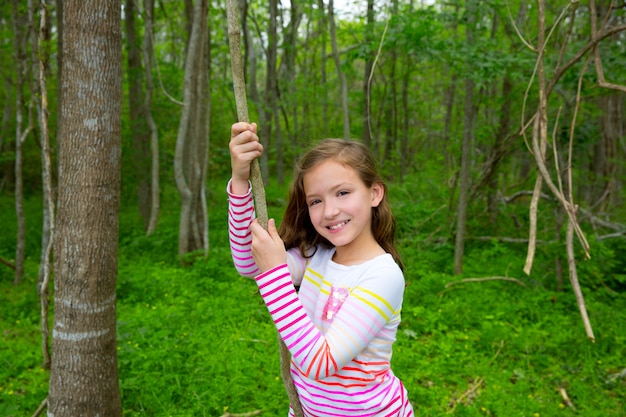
378, 192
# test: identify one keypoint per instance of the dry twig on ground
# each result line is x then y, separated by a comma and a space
515, 280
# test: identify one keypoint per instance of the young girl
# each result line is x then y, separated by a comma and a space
336, 244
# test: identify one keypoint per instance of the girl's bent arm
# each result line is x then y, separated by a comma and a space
240, 215
371, 305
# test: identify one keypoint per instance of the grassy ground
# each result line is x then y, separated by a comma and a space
197, 341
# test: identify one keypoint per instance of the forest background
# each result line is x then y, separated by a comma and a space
499, 127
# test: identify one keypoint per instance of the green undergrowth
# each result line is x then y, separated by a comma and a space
196, 340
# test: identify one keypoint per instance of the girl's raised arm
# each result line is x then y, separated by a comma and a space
244, 147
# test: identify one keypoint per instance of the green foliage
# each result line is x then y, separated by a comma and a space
197, 340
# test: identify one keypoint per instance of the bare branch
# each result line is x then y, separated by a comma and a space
7, 263
523, 193
593, 42
41, 407
619, 375
250, 414
566, 399
515, 280
611, 235
239, 85
519, 34
573, 276
467, 394
532, 233
503, 239
596, 52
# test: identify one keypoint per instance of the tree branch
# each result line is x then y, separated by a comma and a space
250, 414
239, 86
7, 263
515, 280
41, 407
593, 42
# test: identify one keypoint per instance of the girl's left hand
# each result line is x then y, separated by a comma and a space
268, 249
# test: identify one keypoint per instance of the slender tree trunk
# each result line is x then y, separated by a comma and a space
6, 169
271, 85
192, 140
392, 120
258, 190
367, 73
500, 148
448, 99
468, 132
605, 152
322, 24
36, 88
83, 373
40, 57
148, 56
287, 91
406, 123
251, 51
48, 224
340, 74
140, 131
20, 39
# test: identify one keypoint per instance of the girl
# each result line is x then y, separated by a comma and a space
336, 244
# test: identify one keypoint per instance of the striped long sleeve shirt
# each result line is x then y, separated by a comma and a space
339, 328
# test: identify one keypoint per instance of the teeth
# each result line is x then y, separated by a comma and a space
337, 226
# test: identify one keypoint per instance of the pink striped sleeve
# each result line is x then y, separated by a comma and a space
364, 313
240, 215
305, 342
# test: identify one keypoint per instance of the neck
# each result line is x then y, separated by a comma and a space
345, 256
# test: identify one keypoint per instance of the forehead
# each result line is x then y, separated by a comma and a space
329, 174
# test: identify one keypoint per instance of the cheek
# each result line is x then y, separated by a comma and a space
312, 213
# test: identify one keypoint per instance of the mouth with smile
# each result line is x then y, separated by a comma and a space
337, 226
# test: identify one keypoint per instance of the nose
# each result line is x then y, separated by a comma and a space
330, 210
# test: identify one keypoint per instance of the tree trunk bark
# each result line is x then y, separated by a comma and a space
83, 374
192, 140
271, 85
140, 131
340, 74
148, 56
48, 203
367, 73
21, 63
468, 132
322, 24
289, 102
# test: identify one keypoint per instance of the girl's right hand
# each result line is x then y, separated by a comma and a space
244, 148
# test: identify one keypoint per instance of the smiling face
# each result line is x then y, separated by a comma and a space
340, 210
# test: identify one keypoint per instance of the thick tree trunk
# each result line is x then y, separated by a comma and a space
83, 374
